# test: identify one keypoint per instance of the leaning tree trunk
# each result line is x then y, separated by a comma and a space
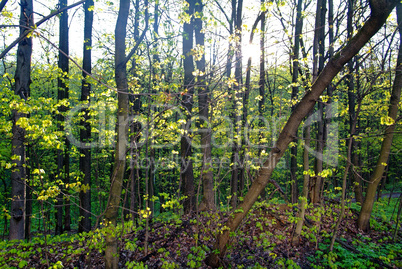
21, 88
363, 222
379, 14
111, 213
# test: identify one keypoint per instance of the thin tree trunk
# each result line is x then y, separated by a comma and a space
295, 91
293, 150
21, 88
318, 50
237, 169
111, 213
379, 14
85, 133
2, 4
363, 222
62, 93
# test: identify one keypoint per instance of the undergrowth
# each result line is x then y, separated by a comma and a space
262, 241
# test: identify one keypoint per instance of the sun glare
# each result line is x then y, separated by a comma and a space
251, 50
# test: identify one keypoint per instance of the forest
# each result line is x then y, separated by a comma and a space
200, 134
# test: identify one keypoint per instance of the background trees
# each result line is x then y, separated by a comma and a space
160, 121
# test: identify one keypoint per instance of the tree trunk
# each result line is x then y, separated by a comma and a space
187, 175
318, 65
85, 133
111, 213
293, 150
207, 202
379, 13
363, 221
295, 91
237, 168
62, 93
21, 88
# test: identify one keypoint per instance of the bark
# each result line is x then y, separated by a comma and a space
295, 91
187, 175
293, 150
379, 14
22, 36
261, 81
261, 108
21, 88
2, 4
85, 133
111, 213
363, 222
318, 65
135, 127
237, 169
28, 205
62, 93
345, 177
207, 202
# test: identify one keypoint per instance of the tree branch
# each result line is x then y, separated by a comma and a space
22, 36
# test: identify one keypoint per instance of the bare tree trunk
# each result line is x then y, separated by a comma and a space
379, 14
187, 175
293, 150
208, 201
111, 213
363, 222
295, 91
318, 65
135, 127
62, 93
237, 169
85, 134
21, 88
2, 4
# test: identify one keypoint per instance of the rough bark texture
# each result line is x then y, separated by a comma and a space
85, 133
62, 93
207, 202
363, 221
21, 88
111, 213
318, 65
187, 176
378, 17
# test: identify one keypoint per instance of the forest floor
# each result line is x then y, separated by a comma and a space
262, 241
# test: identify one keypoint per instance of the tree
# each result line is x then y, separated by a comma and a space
295, 91
204, 97
21, 88
111, 213
63, 160
2, 4
186, 172
85, 133
318, 65
363, 222
236, 95
379, 14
